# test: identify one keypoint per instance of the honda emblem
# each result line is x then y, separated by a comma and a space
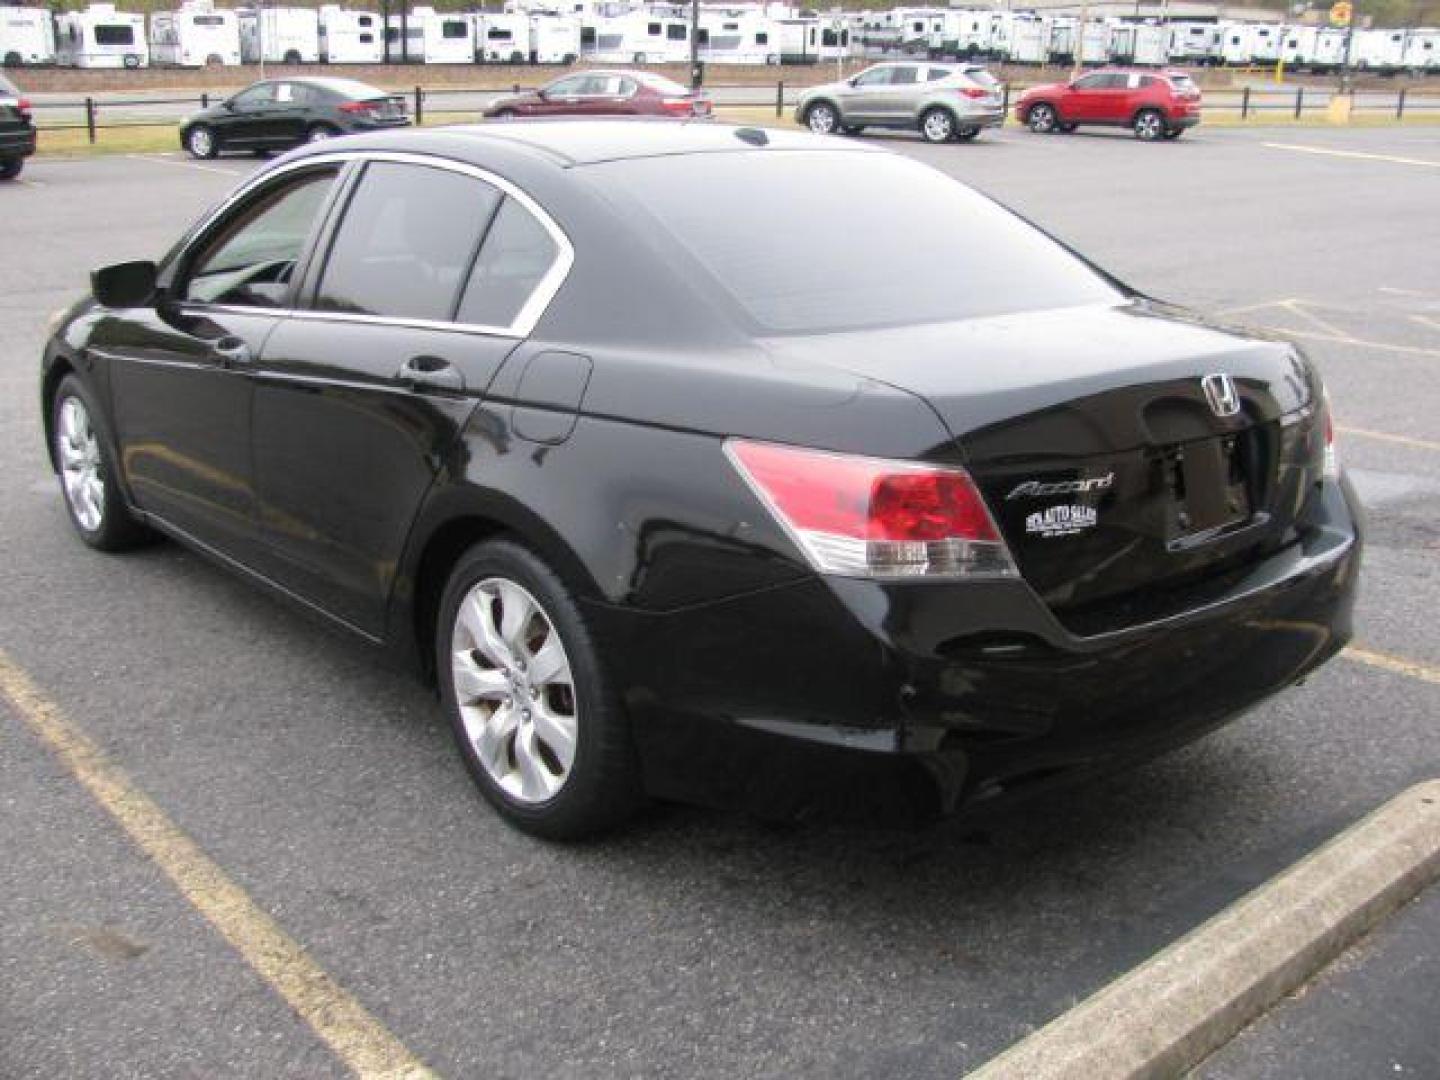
1220, 392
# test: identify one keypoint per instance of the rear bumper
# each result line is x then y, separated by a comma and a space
1186, 120
15, 144
842, 697
986, 118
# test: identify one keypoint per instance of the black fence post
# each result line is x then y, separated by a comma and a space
1005, 103
1299, 101
204, 100
90, 118
1400, 105
1245, 104
780, 98
419, 107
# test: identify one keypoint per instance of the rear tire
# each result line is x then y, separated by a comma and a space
938, 125
968, 134
552, 755
852, 129
1174, 133
10, 168
1149, 125
822, 118
1068, 129
1042, 119
200, 140
81, 447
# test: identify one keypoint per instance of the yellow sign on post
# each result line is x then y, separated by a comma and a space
1340, 13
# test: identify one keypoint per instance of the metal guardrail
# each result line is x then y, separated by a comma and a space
1247, 102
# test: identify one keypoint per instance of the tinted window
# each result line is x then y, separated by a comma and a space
517, 253
921, 247
936, 74
874, 77
675, 32
114, 35
209, 20
452, 29
1090, 82
249, 261
255, 95
901, 76
568, 87
408, 238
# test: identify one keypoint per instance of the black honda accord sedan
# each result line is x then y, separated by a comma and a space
686, 469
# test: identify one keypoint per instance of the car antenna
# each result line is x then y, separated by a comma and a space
753, 136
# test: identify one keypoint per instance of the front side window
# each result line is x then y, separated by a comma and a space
874, 77
1090, 82
570, 86
407, 241
250, 259
255, 96
903, 76
518, 253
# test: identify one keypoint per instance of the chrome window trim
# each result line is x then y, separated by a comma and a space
526, 319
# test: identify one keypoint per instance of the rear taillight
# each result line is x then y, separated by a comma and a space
359, 106
1332, 457
972, 91
677, 104
23, 108
866, 517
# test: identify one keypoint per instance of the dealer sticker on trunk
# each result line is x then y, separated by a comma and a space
1060, 521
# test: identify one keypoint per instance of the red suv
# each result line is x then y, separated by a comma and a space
1155, 104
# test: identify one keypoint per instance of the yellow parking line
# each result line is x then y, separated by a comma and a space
1385, 436
1311, 335
1395, 664
1393, 159
357, 1038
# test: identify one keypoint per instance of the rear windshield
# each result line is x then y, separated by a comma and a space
348, 88
661, 85
1182, 83
7, 88
895, 242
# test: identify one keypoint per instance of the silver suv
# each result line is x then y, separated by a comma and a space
942, 101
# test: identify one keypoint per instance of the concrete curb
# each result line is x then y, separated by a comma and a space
1181, 1005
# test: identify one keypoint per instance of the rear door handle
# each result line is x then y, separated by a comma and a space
232, 351
431, 371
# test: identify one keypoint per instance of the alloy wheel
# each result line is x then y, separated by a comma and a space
938, 126
80, 468
201, 143
1042, 118
515, 690
821, 119
1149, 126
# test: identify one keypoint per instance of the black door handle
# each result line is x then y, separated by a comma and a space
431, 371
232, 351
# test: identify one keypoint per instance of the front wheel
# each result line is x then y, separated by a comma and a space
938, 125
537, 722
822, 118
201, 142
1149, 125
1042, 118
10, 168
321, 132
87, 475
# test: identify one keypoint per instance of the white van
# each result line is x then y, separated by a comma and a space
101, 37
350, 37
27, 36
554, 39
285, 35
503, 37
197, 35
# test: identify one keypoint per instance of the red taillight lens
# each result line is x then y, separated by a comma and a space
972, 91
23, 107
359, 106
677, 104
867, 517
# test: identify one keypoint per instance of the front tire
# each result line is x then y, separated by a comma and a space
10, 168
532, 710
321, 132
200, 140
822, 118
87, 475
1042, 119
937, 125
1149, 125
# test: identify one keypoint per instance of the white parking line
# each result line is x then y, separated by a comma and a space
157, 160
1324, 151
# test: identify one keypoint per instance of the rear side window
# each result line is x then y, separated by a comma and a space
518, 253
406, 243
935, 74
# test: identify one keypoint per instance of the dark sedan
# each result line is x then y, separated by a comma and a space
278, 114
17, 130
673, 493
604, 93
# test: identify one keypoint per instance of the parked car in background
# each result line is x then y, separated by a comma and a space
941, 101
1154, 104
17, 130
280, 113
748, 508
604, 93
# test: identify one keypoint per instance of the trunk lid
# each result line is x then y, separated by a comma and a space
1119, 482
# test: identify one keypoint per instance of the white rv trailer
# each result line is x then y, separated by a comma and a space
101, 37
1314, 49
1265, 43
27, 36
1380, 50
425, 35
915, 26
554, 39
1249, 43
350, 37
640, 37
1151, 45
1096, 42
197, 35
502, 37
1029, 39
799, 40
1422, 51
1063, 40
283, 35
965, 34
1194, 43
745, 37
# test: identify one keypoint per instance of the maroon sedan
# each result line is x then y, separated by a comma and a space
604, 93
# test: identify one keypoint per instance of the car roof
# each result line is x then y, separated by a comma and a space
568, 142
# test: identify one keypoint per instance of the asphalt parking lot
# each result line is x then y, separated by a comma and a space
700, 944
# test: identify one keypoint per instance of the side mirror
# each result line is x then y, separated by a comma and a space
854, 80
124, 285
228, 106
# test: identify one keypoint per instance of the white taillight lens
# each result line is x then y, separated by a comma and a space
866, 517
